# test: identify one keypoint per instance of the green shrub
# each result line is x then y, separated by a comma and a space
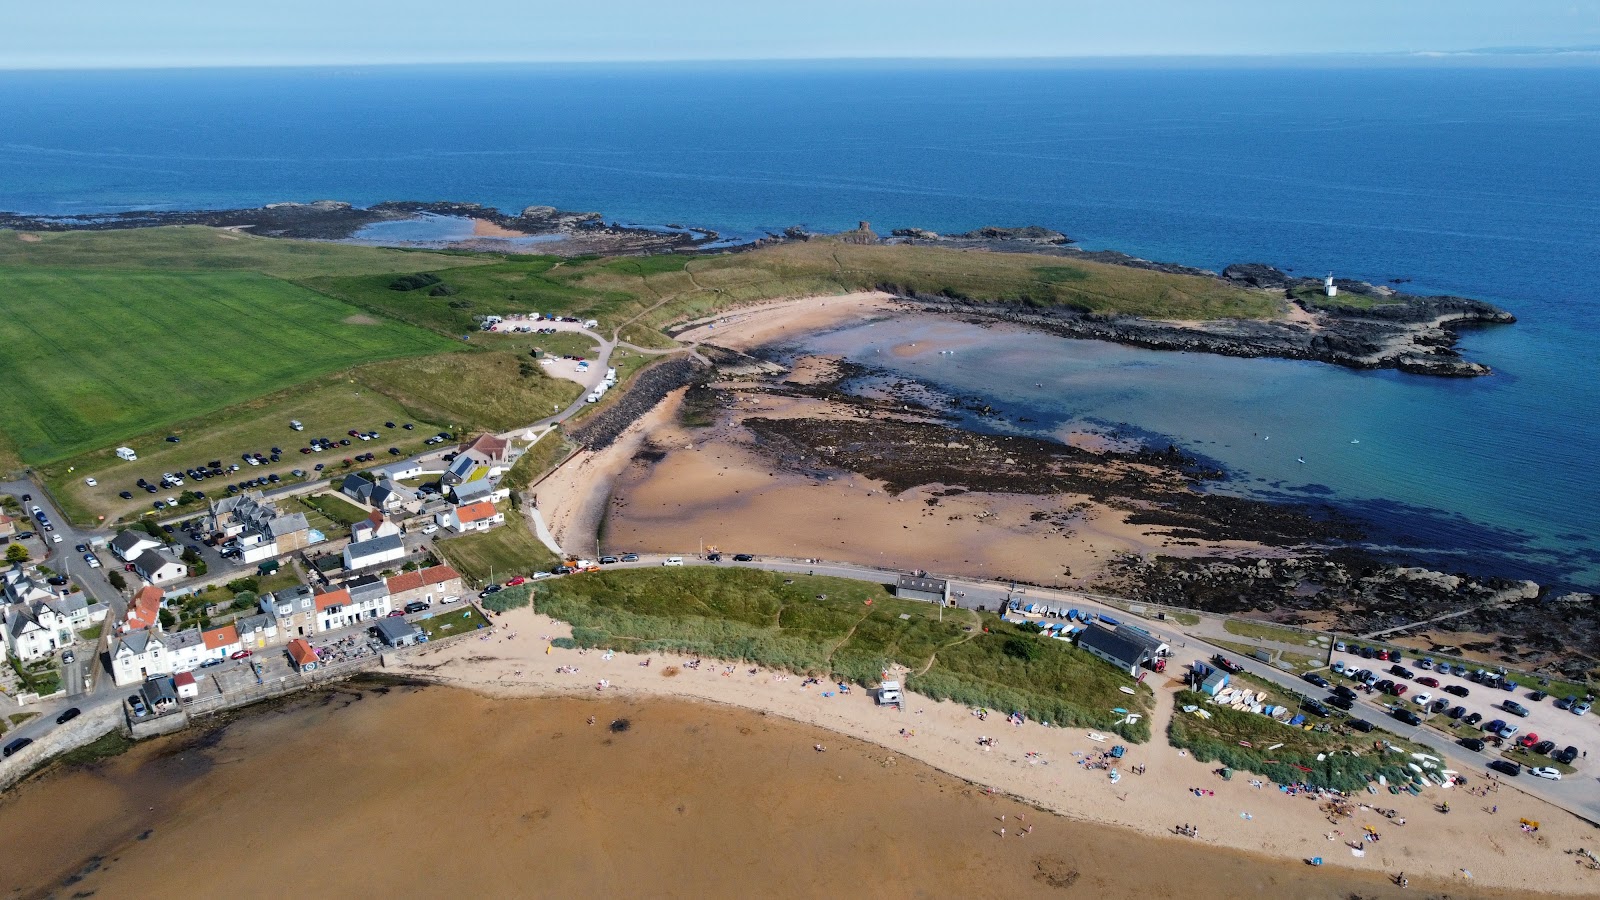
510, 598
414, 282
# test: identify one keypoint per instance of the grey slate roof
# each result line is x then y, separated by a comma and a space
1118, 647
368, 587
368, 549
393, 628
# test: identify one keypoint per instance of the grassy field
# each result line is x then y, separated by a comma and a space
1286, 754
335, 508
192, 248
659, 289
497, 554
540, 458
492, 390
452, 620
107, 355
843, 629
1277, 634
327, 407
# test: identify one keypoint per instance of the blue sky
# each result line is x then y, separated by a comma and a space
129, 33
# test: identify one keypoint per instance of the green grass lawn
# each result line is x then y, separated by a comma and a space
540, 458
195, 248
335, 508
844, 629
1277, 634
452, 620
105, 355
1348, 759
491, 391
497, 554
327, 407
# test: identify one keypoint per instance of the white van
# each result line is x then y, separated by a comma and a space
672, 561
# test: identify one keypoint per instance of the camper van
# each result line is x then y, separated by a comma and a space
889, 694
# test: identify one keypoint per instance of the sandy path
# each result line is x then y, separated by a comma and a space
1041, 765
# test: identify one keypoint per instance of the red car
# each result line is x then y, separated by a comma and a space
1398, 690
240, 654
1529, 739
1428, 680
396, 612
516, 581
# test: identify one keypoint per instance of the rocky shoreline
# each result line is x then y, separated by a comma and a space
1365, 327
1373, 328
335, 220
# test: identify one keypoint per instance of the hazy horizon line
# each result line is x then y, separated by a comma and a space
1542, 56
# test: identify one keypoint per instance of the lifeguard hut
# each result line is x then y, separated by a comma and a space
1328, 287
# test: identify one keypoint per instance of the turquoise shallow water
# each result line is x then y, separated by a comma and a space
1483, 182
1409, 455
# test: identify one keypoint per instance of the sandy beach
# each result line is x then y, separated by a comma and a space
711, 487
765, 323
1478, 845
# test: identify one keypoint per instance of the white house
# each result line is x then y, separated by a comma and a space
400, 470
220, 643
374, 552
365, 598
159, 566
129, 544
375, 525
480, 516
35, 621
137, 656
186, 650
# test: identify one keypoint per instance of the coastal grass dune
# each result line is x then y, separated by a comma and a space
845, 630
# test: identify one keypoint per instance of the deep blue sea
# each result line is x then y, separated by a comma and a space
1482, 182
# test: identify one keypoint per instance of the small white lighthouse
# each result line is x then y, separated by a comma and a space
1328, 287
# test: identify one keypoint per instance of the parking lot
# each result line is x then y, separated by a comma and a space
1543, 719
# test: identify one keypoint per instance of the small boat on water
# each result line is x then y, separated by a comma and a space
1354, 441
1300, 459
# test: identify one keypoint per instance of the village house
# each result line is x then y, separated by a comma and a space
385, 494
145, 610
186, 650
480, 516
138, 655
130, 544
221, 643
364, 598
397, 632
374, 552
159, 566
295, 610
375, 525
302, 656
36, 620
400, 471
254, 525
430, 585
257, 630
485, 456
188, 688
8, 525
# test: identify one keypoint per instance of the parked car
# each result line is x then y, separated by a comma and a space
68, 715
1339, 646
491, 589
1506, 766
1422, 699
1515, 708
1476, 745
537, 576
126, 495
519, 580
1314, 678
1566, 755
430, 528
630, 557
1343, 703
1338, 667
607, 560
1473, 719
1407, 716
1528, 740
1549, 772
1456, 689
1544, 748
1456, 712
677, 561
1581, 708
240, 654
1315, 708
416, 606
1428, 681
743, 557
137, 705
1360, 724
1566, 702
16, 745
1536, 696
1506, 731
1222, 662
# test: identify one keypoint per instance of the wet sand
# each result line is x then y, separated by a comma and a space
440, 792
